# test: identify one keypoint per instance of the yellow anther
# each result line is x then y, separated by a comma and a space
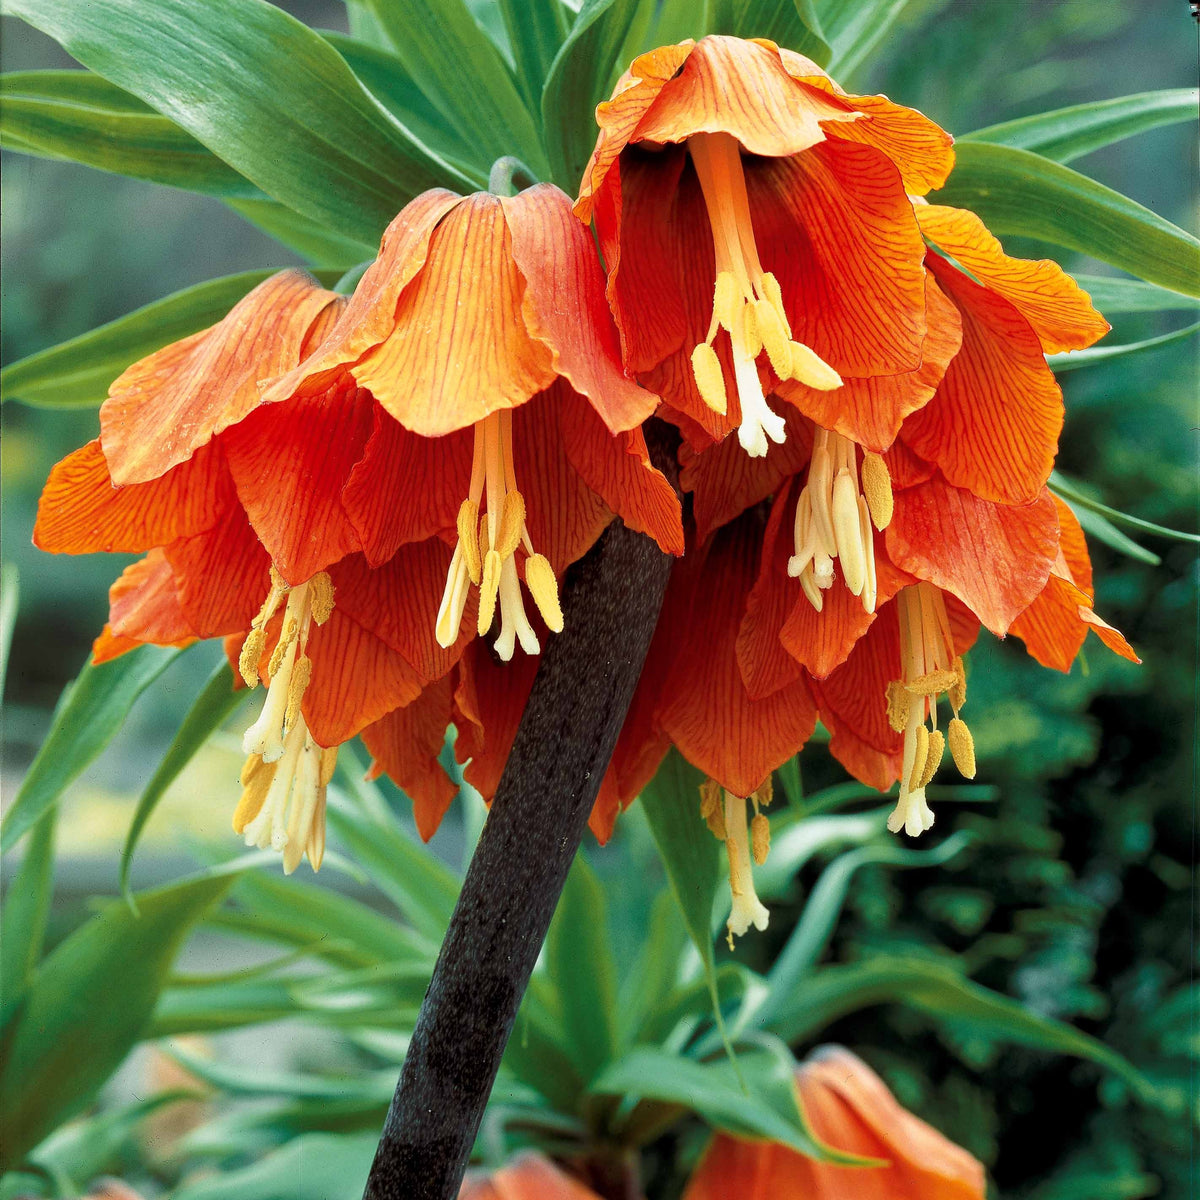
877, 488
543, 587
710, 378
962, 747
774, 336
512, 524
848, 532
899, 705
712, 808
764, 793
468, 538
488, 590
320, 597
328, 766
809, 368
760, 838
769, 286
751, 335
297, 686
932, 683
256, 779
287, 636
920, 756
937, 747
958, 693
727, 299
252, 649
485, 543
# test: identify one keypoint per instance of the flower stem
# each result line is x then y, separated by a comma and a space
580, 696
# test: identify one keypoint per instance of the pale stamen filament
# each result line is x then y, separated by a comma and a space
747, 304
834, 518
929, 667
485, 554
745, 844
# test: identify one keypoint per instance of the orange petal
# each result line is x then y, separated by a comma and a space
1059, 310
406, 488
81, 512
1072, 545
725, 481
564, 304
877, 769
994, 557
617, 468
143, 604
398, 603
730, 85
532, 1177
1112, 638
870, 410
1051, 627
290, 462
905, 468
169, 404
357, 679
836, 228
993, 425
406, 743
222, 576
707, 710
370, 316
459, 348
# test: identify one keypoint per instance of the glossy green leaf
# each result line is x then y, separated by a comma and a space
1113, 295
854, 28
262, 91
692, 1000
580, 77
23, 919
1069, 133
88, 1003
216, 701
76, 373
654, 974
1095, 355
580, 963
39, 116
1103, 530
89, 714
321, 246
1020, 193
536, 30
442, 47
10, 595
940, 991
790, 23
1070, 491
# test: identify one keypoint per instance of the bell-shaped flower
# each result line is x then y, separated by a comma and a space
849, 1108
758, 232
239, 506
482, 332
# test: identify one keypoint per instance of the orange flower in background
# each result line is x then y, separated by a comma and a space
529, 1177
757, 228
240, 507
849, 1108
481, 329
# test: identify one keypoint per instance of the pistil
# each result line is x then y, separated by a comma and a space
485, 555
835, 517
745, 843
929, 668
747, 304
286, 773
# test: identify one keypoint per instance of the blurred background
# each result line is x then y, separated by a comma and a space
1076, 897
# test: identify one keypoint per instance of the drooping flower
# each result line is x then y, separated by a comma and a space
528, 1177
850, 1109
481, 330
239, 506
758, 233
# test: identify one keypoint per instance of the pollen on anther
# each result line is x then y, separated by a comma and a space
710, 378
468, 538
286, 637
933, 760
899, 705
320, 597
512, 523
760, 838
920, 756
877, 488
297, 686
933, 683
958, 693
488, 590
543, 587
962, 747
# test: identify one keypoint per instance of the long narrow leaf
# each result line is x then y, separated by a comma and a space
1113, 295
854, 28
1102, 354
23, 920
1068, 491
10, 593
536, 30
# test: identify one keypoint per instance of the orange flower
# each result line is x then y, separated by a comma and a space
529, 1177
487, 313
240, 507
849, 1108
757, 231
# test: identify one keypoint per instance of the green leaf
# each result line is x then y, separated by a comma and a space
1016, 192
88, 1003
536, 30
1103, 530
263, 92
216, 701
654, 975
36, 117
10, 595
940, 991
854, 28
1113, 295
441, 48
1069, 133
1070, 491
76, 373
89, 714
322, 247
790, 23
580, 77
23, 920
1095, 355
580, 964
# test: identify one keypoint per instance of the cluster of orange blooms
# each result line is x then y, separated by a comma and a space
373, 499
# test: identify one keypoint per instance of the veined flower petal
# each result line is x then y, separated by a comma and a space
144, 604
